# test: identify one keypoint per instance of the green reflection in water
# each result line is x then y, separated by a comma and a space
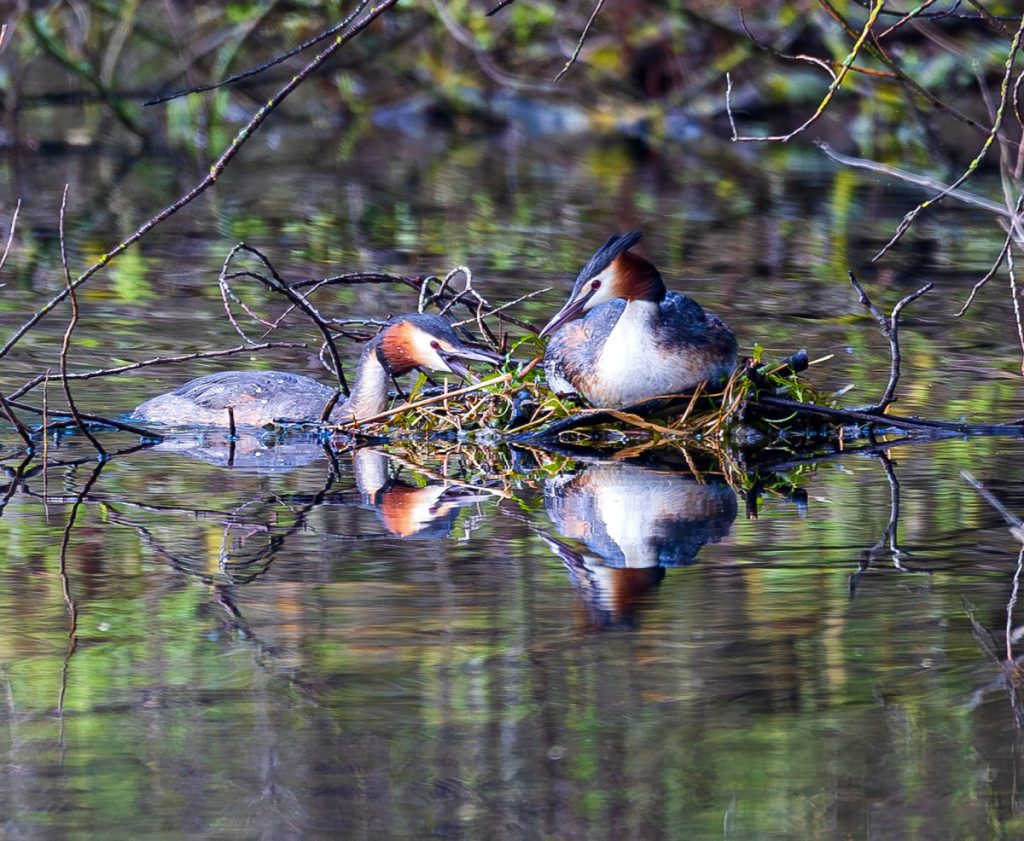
394, 675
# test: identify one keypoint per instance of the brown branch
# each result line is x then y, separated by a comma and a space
906, 81
245, 74
868, 418
1004, 253
276, 283
94, 419
492, 11
828, 65
891, 329
72, 323
579, 44
10, 235
990, 138
909, 16
995, 23
833, 88
18, 425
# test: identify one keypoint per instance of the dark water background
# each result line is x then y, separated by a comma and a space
264, 654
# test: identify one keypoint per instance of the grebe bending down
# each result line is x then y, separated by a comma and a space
637, 339
260, 397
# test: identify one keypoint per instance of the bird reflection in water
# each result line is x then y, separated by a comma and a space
248, 450
636, 522
408, 509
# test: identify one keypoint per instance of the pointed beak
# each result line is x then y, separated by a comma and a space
454, 359
573, 309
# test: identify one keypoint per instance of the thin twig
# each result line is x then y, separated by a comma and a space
909, 16
495, 9
72, 323
891, 329
833, 88
828, 65
94, 419
907, 81
1004, 96
1016, 304
1012, 603
991, 273
276, 283
10, 235
245, 74
914, 178
426, 401
579, 44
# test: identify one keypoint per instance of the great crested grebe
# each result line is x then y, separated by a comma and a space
637, 339
257, 398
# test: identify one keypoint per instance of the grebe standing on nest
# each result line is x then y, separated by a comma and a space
637, 340
259, 397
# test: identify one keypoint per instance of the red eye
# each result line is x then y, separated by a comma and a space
435, 345
595, 285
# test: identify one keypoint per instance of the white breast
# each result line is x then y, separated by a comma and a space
631, 367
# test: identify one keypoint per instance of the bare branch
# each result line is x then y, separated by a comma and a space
833, 88
66, 344
579, 44
1012, 520
891, 329
495, 9
18, 425
1016, 304
10, 235
245, 74
914, 178
1004, 93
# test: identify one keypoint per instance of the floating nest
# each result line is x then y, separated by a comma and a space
517, 405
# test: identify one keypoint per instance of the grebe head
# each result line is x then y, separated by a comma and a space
427, 341
611, 273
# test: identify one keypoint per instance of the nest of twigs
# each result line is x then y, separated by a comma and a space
517, 403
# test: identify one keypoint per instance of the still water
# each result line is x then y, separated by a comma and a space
440, 641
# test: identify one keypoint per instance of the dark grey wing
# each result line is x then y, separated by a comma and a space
685, 322
573, 350
230, 388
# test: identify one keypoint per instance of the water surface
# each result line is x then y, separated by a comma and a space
377, 645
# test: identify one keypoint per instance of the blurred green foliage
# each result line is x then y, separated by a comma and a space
644, 65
